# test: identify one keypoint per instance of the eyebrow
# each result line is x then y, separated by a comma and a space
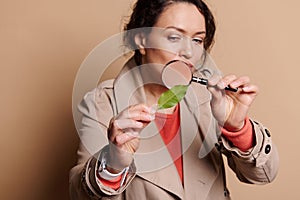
183, 31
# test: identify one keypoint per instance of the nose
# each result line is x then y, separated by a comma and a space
186, 50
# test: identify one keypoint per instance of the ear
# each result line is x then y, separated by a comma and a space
140, 41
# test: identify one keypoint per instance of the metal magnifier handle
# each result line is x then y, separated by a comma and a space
204, 81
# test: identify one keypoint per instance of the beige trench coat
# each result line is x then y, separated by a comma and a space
202, 145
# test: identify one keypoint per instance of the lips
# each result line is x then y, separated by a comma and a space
188, 63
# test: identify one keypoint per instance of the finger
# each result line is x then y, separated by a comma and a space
213, 81
137, 116
250, 88
216, 93
239, 82
221, 83
225, 81
138, 112
141, 116
140, 107
126, 137
127, 123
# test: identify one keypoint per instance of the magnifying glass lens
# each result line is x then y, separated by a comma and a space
176, 73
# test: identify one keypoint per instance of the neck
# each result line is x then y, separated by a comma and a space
153, 92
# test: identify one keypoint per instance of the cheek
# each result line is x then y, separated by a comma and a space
159, 56
159, 49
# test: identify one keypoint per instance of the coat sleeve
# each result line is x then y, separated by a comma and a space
84, 184
258, 165
96, 110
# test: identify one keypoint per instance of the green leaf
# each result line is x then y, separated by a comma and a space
171, 97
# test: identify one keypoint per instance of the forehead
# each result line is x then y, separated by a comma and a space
182, 15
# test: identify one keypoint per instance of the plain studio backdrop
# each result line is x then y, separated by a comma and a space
43, 44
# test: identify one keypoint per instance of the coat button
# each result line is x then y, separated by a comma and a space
268, 132
267, 149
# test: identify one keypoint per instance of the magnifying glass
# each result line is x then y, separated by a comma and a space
178, 72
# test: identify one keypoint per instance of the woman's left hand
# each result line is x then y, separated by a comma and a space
231, 108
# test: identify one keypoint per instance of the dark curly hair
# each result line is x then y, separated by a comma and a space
146, 13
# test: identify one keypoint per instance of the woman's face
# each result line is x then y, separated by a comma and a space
177, 35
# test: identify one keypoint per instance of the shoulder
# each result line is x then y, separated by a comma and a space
100, 99
104, 91
107, 84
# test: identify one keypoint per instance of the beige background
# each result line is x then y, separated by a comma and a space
43, 44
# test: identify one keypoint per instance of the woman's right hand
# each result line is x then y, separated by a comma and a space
123, 135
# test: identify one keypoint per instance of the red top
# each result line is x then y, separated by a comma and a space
243, 139
169, 129
114, 184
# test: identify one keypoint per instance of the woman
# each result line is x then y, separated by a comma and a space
184, 159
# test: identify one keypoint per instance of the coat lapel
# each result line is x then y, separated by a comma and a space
199, 138
152, 159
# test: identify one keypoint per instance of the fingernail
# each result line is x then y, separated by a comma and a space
139, 124
246, 88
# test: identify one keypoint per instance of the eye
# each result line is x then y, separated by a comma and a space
174, 38
198, 40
